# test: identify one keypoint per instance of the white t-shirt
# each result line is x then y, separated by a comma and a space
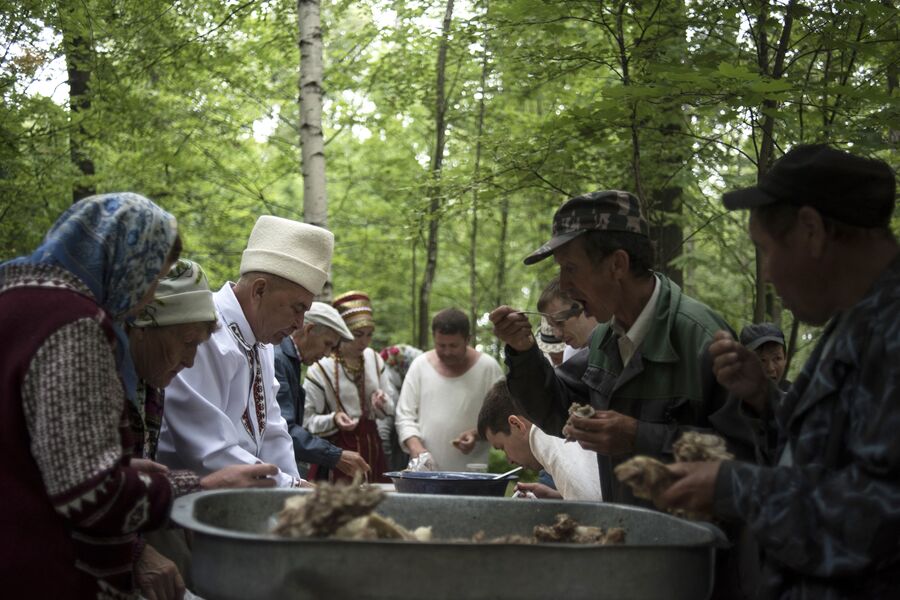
573, 469
437, 409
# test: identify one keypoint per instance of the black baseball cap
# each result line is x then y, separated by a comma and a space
607, 210
755, 335
848, 188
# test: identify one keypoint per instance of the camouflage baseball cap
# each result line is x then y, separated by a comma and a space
607, 210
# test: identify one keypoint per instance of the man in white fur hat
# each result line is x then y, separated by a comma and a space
223, 410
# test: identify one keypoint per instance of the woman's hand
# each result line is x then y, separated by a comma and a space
344, 422
379, 401
157, 576
241, 476
145, 465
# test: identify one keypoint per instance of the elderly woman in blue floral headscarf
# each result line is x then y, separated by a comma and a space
71, 504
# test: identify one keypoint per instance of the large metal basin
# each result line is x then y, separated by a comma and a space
235, 556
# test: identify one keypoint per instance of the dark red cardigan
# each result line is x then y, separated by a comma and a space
39, 547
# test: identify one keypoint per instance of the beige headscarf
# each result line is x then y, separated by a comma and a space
182, 296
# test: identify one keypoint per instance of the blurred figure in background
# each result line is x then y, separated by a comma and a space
767, 341
397, 359
567, 319
550, 344
322, 332
437, 414
347, 392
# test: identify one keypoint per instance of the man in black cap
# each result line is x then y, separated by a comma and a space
827, 514
767, 341
647, 372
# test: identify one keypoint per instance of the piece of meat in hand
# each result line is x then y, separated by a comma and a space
585, 411
646, 476
694, 446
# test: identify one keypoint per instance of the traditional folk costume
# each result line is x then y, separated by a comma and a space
223, 411
331, 385
71, 505
308, 448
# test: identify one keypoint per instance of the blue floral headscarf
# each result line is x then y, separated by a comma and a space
116, 244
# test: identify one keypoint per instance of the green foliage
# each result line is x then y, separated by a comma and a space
664, 99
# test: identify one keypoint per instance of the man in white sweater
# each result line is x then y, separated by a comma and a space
438, 408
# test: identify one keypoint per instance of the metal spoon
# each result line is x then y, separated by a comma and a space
508, 473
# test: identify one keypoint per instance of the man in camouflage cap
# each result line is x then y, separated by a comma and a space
647, 372
602, 211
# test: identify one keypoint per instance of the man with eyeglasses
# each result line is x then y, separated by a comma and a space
647, 372
566, 318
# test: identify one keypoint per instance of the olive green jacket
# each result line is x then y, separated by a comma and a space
668, 385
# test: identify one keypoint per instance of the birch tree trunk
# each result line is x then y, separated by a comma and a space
501, 297
437, 161
312, 143
473, 243
79, 55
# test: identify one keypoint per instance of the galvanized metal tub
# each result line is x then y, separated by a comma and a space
235, 556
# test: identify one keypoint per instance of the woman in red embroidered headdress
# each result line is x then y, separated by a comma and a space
347, 392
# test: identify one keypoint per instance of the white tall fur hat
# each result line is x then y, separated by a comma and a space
299, 252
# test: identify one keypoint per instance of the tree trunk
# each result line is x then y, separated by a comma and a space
624, 65
79, 59
661, 35
501, 253
473, 241
763, 303
414, 333
437, 161
312, 143
664, 41
665, 231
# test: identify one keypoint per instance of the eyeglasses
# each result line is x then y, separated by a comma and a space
557, 319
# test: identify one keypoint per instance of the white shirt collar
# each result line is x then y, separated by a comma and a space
631, 340
232, 313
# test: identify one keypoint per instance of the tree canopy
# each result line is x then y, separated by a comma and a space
195, 104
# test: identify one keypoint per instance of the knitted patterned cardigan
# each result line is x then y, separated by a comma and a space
70, 506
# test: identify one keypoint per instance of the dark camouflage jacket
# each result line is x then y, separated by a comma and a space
827, 516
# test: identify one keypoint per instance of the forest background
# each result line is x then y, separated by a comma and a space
451, 130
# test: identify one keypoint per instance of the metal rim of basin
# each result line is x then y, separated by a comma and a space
183, 514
